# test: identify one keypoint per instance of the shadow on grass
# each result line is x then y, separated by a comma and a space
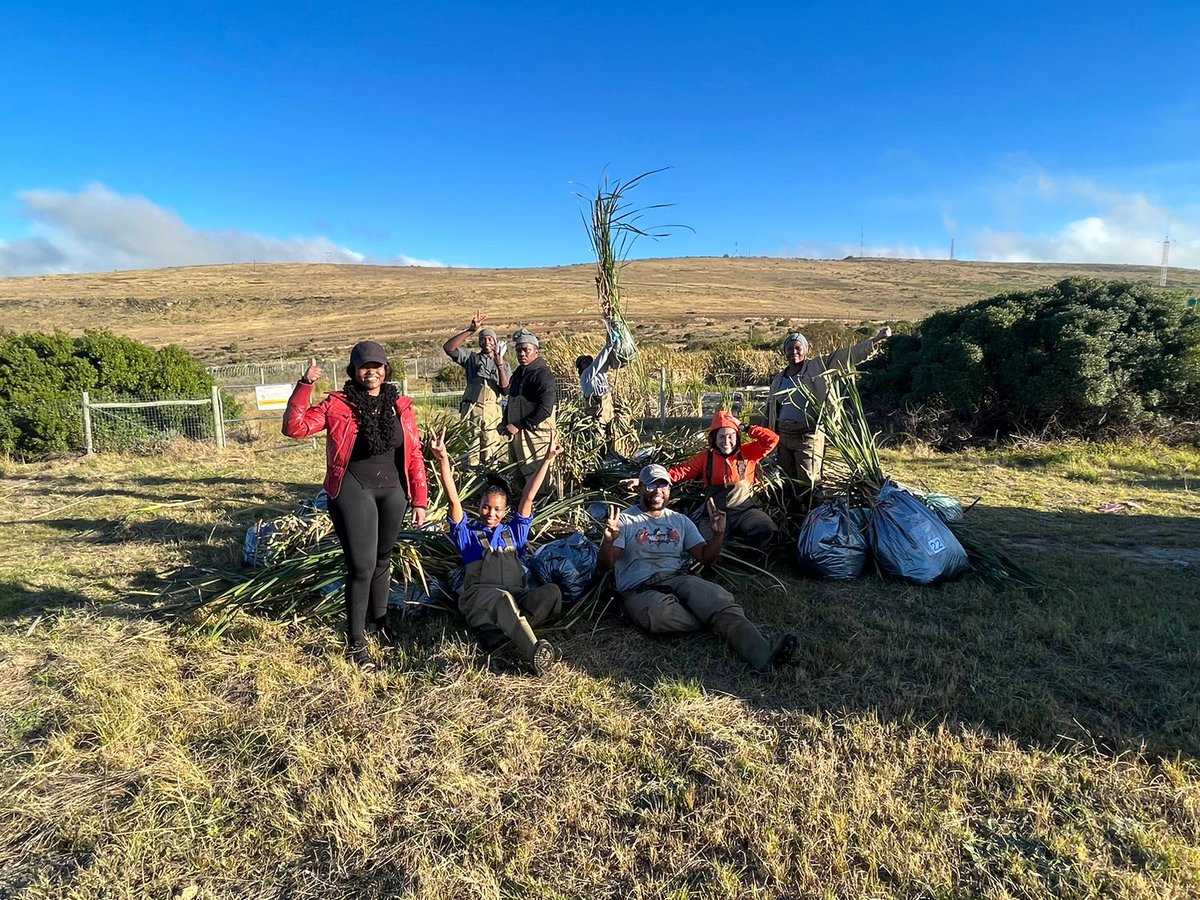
18, 601
1109, 653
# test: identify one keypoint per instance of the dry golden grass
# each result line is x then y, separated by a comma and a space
941, 742
267, 310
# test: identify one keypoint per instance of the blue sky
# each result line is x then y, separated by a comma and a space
455, 133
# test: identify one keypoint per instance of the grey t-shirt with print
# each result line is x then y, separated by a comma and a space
652, 545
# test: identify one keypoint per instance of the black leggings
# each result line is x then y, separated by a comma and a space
366, 521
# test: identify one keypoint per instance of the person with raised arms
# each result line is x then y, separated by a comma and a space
796, 417
487, 381
495, 599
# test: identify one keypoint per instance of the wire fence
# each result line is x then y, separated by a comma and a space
236, 413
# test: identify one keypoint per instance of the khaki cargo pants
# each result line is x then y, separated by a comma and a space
481, 406
801, 452
685, 604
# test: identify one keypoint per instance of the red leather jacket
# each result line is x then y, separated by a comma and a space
336, 417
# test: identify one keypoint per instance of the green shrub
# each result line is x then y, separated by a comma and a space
42, 377
1080, 357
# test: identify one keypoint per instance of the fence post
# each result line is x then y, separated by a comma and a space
87, 424
218, 417
662, 398
404, 383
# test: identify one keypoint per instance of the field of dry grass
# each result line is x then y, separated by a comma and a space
932, 742
262, 311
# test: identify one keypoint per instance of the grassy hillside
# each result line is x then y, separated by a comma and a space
259, 311
946, 742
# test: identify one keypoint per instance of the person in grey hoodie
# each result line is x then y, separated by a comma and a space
794, 417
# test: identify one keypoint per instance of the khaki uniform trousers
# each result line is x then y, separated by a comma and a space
528, 447
494, 599
801, 452
685, 604
481, 405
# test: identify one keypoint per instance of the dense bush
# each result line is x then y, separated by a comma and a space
42, 377
1079, 357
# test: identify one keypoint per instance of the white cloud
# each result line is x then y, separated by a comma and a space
1108, 226
99, 229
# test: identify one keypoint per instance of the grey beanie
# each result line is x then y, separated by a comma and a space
487, 332
795, 338
525, 336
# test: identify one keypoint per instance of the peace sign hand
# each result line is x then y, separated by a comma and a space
477, 322
313, 372
612, 525
716, 518
437, 446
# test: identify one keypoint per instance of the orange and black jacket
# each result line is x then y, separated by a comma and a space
713, 468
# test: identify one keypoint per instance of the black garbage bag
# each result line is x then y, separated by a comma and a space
412, 599
569, 562
833, 541
911, 542
311, 507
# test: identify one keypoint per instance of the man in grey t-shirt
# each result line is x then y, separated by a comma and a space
649, 546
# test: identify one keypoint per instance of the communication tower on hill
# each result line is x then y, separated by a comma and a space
1162, 281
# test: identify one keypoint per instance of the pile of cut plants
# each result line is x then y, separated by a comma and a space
868, 520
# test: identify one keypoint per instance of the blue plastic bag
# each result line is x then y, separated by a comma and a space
911, 542
568, 562
833, 541
256, 545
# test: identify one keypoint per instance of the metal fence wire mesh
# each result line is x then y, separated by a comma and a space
147, 424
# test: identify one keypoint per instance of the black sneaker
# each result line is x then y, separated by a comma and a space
361, 657
544, 658
381, 633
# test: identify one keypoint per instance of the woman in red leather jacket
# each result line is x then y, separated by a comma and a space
374, 472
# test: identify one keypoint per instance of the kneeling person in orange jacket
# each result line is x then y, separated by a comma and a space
727, 471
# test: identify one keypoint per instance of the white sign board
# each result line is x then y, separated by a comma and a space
272, 396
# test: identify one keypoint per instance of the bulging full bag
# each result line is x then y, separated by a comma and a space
569, 562
624, 348
833, 541
911, 542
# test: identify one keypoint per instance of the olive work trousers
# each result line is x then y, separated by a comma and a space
746, 523
515, 614
685, 604
484, 444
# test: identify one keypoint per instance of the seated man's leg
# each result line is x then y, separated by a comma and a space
490, 607
715, 607
752, 526
659, 612
541, 604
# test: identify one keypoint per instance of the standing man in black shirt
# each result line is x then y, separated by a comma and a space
532, 398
